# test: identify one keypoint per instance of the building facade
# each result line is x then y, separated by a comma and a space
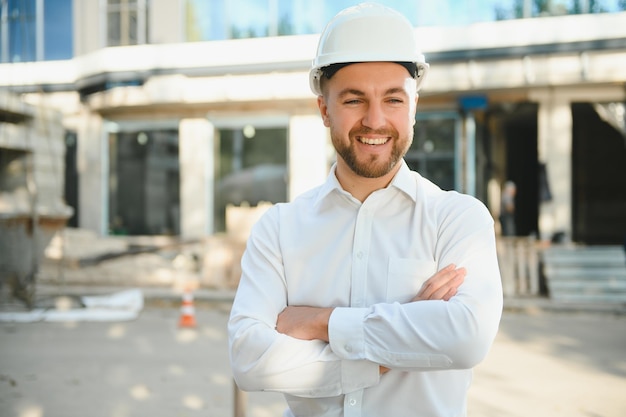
32, 209
176, 109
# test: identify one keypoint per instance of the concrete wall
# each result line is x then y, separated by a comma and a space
93, 171
32, 209
196, 177
166, 21
308, 153
88, 30
38, 131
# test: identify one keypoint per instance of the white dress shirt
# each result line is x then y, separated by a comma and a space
327, 249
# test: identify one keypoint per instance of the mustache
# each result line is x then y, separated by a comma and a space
362, 131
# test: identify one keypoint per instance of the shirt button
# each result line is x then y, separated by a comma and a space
348, 348
353, 402
359, 255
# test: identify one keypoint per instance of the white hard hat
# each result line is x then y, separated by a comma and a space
368, 32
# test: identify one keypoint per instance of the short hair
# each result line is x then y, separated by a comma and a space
330, 70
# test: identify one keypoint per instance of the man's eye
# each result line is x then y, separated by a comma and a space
352, 101
395, 100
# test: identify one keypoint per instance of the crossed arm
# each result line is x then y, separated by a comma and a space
310, 323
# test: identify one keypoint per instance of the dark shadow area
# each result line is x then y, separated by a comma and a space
598, 179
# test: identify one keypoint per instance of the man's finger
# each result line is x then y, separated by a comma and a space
447, 291
440, 285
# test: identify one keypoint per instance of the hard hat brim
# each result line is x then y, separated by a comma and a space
316, 74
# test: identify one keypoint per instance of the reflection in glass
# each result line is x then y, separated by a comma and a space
144, 181
127, 22
433, 150
229, 19
250, 169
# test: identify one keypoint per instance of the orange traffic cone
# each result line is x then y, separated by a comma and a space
187, 311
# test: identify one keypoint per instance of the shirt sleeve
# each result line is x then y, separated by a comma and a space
433, 335
263, 359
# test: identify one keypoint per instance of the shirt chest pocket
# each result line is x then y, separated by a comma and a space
405, 277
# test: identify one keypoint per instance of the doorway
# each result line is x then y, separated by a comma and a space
513, 131
598, 177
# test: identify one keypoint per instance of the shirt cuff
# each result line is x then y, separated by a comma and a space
346, 338
345, 332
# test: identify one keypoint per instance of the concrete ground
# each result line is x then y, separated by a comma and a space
544, 363
550, 359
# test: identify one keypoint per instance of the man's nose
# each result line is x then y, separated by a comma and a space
374, 116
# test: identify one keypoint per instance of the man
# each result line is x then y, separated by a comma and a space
377, 292
507, 209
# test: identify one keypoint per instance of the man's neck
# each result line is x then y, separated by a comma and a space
361, 187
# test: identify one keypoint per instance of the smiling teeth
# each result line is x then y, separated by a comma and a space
372, 141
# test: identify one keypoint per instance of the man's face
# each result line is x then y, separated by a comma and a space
370, 110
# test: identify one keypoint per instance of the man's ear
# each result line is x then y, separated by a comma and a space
321, 104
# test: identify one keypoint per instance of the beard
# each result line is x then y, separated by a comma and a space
375, 166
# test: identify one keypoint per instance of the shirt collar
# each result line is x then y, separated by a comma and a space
403, 181
331, 183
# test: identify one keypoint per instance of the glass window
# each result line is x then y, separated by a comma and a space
25, 38
433, 150
222, 19
249, 19
251, 167
58, 30
126, 22
205, 20
18, 34
144, 183
518, 9
298, 17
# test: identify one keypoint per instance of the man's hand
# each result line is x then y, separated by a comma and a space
443, 285
306, 323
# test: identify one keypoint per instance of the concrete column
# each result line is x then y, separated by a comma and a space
93, 170
470, 154
555, 150
308, 151
195, 148
166, 22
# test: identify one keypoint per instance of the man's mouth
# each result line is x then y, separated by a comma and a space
372, 141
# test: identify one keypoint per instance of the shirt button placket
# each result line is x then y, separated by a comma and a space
362, 237
352, 404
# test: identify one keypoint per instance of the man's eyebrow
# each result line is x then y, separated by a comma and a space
351, 91
359, 93
396, 90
